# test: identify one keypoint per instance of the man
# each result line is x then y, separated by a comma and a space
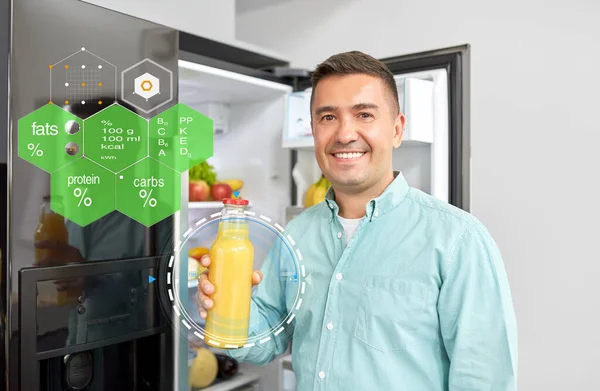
408, 292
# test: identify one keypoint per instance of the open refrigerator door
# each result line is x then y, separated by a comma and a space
248, 162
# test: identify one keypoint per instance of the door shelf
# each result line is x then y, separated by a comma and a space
302, 142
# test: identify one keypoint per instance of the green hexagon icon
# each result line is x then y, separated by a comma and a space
50, 137
82, 191
115, 137
148, 191
181, 137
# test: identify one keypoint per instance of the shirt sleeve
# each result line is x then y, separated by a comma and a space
267, 310
477, 318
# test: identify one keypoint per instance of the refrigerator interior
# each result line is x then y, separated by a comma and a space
247, 139
248, 115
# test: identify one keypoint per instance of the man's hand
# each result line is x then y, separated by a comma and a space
56, 253
205, 288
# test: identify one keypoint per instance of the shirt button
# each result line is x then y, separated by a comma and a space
339, 235
338, 276
322, 375
330, 326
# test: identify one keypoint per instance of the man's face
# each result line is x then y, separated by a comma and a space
355, 129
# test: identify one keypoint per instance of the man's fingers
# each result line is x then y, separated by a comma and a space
205, 284
205, 260
203, 302
257, 277
207, 302
60, 253
205, 288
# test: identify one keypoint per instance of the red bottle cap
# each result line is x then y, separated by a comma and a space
235, 201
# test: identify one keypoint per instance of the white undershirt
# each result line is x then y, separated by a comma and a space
350, 226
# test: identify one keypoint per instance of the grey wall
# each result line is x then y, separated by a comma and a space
211, 19
535, 144
207, 18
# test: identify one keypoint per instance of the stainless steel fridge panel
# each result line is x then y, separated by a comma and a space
43, 33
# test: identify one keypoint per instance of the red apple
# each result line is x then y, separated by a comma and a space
199, 191
220, 191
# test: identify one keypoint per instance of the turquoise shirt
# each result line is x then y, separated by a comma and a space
417, 301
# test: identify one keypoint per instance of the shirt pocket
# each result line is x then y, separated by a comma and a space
388, 313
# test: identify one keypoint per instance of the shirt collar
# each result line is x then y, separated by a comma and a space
378, 206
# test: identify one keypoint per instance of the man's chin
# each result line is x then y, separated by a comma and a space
349, 181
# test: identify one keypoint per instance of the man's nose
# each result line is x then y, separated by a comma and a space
347, 132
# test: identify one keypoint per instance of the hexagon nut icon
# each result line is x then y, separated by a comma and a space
147, 85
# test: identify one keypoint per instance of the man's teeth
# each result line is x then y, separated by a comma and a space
352, 155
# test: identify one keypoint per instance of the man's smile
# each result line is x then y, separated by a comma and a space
348, 156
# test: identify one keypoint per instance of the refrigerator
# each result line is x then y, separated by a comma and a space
121, 330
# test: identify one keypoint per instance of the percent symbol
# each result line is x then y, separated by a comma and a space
106, 122
87, 201
35, 149
147, 200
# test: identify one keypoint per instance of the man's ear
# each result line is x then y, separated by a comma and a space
398, 129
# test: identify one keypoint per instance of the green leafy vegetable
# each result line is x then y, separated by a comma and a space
203, 171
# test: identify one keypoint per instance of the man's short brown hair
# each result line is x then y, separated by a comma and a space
356, 62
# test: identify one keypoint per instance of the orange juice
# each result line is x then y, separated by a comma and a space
230, 271
51, 227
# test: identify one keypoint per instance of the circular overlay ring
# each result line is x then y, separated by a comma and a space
264, 337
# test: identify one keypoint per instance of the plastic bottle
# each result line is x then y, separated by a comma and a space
230, 271
51, 227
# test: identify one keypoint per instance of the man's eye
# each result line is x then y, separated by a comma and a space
365, 115
327, 117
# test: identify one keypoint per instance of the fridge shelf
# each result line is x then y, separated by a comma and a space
204, 84
208, 205
239, 380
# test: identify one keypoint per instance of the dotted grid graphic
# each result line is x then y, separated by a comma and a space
83, 78
82, 85
199, 332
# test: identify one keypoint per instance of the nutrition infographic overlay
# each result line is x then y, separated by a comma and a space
113, 159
